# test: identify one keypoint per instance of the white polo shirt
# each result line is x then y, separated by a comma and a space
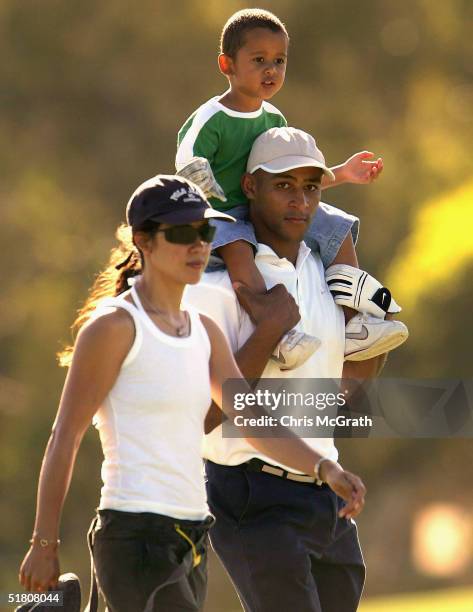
320, 317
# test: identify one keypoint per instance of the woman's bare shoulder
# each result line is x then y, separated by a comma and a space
114, 329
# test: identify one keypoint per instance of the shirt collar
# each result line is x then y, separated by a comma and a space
265, 253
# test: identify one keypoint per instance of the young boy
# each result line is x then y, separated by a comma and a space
213, 149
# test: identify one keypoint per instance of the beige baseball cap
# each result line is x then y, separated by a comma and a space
284, 148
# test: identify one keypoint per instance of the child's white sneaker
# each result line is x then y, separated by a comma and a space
294, 349
367, 336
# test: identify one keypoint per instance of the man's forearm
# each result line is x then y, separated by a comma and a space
256, 352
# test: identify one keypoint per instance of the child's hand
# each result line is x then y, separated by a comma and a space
198, 171
360, 170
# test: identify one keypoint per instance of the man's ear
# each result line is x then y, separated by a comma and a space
225, 64
248, 185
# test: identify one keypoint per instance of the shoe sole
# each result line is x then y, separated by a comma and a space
383, 346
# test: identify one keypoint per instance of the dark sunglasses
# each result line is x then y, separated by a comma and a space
188, 234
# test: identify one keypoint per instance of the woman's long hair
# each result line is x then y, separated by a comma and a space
125, 262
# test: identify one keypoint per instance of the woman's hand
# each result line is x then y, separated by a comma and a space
346, 485
40, 569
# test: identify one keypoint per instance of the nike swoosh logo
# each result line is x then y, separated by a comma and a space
385, 299
361, 335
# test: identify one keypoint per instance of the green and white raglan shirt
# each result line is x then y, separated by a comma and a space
225, 137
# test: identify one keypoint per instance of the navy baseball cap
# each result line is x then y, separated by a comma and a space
170, 199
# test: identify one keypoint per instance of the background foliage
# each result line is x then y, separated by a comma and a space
92, 95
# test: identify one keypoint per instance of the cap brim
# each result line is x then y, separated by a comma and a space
289, 162
191, 214
211, 213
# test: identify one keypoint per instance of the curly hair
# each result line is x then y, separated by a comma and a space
233, 34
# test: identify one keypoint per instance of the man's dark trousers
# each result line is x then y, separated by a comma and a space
282, 542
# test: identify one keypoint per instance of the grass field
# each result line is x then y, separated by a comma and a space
452, 600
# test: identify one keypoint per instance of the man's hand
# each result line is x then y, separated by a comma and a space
276, 305
346, 485
360, 170
198, 171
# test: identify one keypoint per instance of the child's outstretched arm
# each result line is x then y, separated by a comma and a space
358, 169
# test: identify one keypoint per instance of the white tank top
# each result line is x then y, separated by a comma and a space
151, 424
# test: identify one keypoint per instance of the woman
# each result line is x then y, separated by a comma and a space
146, 371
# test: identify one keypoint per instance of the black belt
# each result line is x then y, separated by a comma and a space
256, 465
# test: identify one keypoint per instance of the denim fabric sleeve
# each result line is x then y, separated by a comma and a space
242, 229
329, 228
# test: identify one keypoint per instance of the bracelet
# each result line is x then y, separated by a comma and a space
317, 467
43, 542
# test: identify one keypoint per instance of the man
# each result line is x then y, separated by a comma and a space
278, 533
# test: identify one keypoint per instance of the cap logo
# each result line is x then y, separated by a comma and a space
190, 195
